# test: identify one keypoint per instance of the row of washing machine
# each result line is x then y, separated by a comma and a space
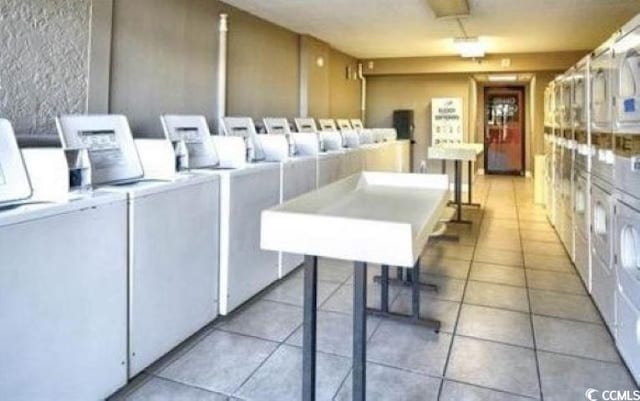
592, 148
99, 283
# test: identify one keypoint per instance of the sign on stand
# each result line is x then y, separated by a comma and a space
446, 121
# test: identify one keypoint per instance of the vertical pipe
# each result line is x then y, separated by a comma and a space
363, 93
222, 70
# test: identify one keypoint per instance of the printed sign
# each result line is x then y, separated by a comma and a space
446, 120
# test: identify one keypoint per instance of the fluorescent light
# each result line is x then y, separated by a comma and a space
469, 47
449, 8
503, 78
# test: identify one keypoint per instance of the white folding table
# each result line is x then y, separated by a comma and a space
383, 218
458, 152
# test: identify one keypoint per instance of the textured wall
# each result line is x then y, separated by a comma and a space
43, 61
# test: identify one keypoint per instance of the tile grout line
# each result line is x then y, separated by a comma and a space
526, 280
464, 290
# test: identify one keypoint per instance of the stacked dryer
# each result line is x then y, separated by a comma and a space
566, 162
603, 275
626, 91
549, 148
581, 175
557, 157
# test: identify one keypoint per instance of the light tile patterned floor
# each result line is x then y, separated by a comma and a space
517, 325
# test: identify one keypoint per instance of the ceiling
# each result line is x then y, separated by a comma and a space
405, 28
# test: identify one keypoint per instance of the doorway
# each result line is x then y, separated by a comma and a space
504, 142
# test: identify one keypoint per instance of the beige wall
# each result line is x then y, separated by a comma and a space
524, 62
316, 80
325, 89
164, 60
388, 93
262, 68
344, 93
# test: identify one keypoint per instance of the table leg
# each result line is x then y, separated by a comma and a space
384, 288
415, 291
458, 193
470, 183
309, 328
359, 331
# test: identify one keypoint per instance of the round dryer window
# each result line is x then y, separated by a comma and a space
600, 224
629, 249
599, 95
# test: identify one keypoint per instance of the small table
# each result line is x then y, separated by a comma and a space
459, 152
382, 218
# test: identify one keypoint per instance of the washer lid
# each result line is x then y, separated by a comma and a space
14, 179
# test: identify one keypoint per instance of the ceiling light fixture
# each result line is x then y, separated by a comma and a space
503, 78
469, 47
449, 8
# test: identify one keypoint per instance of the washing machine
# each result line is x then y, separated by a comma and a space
172, 237
63, 284
626, 50
603, 273
581, 175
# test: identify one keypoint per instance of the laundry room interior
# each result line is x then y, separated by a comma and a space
282, 200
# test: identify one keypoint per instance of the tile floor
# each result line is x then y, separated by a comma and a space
516, 324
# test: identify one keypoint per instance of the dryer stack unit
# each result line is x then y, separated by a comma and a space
557, 155
549, 145
581, 176
603, 275
566, 125
626, 250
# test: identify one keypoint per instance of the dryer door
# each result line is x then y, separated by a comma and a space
580, 205
628, 251
601, 224
628, 85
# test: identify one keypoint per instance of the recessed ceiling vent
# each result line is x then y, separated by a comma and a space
449, 8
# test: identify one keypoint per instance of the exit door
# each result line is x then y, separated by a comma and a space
504, 130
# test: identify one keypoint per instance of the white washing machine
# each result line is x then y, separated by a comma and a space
603, 272
627, 192
581, 175
298, 177
63, 286
246, 269
172, 238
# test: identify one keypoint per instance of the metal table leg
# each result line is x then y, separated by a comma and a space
458, 193
309, 328
359, 332
402, 281
384, 288
470, 184
416, 287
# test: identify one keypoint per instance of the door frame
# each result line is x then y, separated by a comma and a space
523, 100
